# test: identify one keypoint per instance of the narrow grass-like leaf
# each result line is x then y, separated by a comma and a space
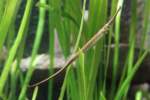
81, 78
127, 81
2, 6
37, 41
102, 97
99, 10
132, 34
35, 92
52, 37
132, 39
145, 23
68, 80
14, 75
138, 95
14, 48
10, 10
12, 29
110, 35
81, 27
72, 89
116, 49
